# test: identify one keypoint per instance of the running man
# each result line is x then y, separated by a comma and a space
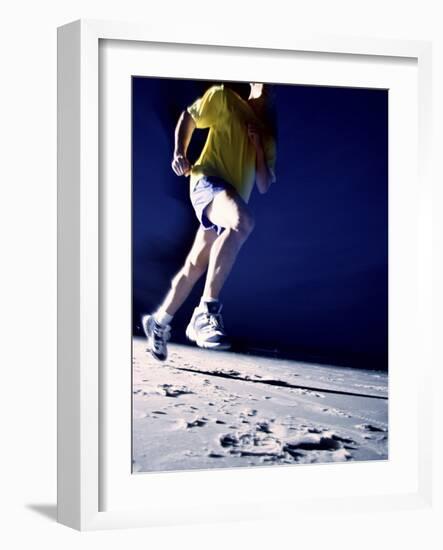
239, 152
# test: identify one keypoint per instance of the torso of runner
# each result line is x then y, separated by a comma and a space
228, 152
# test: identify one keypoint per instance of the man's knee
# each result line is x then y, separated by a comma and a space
244, 223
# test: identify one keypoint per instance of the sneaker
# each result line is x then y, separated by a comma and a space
157, 336
206, 327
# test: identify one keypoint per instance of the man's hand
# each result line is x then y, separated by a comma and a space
181, 165
254, 136
182, 136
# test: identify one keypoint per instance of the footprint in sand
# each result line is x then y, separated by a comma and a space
264, 427
304, 446
252, 444
173, 391
321, 440
197, 423
336, 412
371, 428
213, 454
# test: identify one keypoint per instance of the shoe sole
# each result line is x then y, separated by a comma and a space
145, 320
190, 335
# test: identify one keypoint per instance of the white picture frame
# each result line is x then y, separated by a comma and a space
80, 411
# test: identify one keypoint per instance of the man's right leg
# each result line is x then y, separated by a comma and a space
227, 210
156, 326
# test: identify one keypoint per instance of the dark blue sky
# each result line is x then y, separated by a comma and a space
312, 280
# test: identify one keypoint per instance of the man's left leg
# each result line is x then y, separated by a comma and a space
156, 326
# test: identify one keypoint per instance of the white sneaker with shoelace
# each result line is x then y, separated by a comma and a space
206, 327
158, 336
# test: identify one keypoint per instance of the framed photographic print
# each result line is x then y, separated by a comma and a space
242, 255
300, 294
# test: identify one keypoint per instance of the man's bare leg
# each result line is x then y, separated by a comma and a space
227, 210
194, 267
156, 326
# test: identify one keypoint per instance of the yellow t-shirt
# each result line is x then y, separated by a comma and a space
228, 152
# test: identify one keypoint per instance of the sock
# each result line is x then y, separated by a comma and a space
162, 317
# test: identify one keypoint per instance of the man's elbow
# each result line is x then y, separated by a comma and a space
265, 183
264, 186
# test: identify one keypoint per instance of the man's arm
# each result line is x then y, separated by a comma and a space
263, 176
182, 136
